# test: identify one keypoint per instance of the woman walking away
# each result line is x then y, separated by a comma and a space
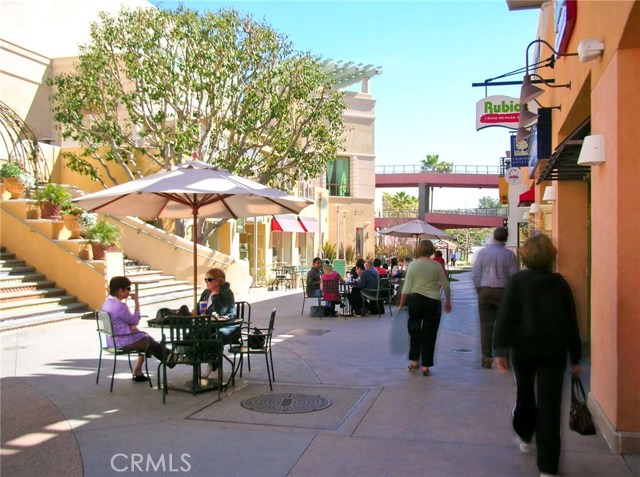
537, 323
421, 293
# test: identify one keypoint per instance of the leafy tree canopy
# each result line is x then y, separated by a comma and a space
432, 163
400, 201
168, 83
488, 202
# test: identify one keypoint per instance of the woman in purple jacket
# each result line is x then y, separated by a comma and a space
126, 323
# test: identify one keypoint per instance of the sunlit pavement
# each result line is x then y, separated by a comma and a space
382, 421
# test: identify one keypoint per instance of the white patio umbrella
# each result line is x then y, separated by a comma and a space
191, 190
416, 228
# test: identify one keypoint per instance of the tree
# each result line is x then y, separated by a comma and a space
158, 85
399, 202
432, 163
488, 202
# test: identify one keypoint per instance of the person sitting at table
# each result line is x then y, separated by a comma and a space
124, 322
367, 279
377, 264
330, 298
313, 278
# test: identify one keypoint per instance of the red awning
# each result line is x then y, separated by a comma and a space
527, 198
286, 223
310, 224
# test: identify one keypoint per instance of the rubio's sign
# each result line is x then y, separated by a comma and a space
502, 111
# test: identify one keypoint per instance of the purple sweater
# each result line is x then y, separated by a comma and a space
121, 319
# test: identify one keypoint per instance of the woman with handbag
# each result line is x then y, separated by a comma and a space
537, 324
421, 293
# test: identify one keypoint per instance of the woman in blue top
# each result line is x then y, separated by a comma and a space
421, 293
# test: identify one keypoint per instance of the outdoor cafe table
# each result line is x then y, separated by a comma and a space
205, 384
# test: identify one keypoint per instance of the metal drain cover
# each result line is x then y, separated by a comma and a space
286, 403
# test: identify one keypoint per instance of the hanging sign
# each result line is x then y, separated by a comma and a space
499, 111
513, 176
519, 152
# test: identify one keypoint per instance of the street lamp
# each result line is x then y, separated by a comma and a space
344, 213
338, 230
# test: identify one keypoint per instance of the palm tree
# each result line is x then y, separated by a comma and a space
433, 163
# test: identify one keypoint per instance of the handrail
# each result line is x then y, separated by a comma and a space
146, 232
420, 169
483, 212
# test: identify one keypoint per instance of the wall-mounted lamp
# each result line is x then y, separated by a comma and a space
522, 134
549, 194
527, 118
592, 151
525, 216
534, 208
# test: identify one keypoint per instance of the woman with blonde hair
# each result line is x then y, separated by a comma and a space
537, 324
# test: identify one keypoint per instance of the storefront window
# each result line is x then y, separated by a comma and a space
338, 177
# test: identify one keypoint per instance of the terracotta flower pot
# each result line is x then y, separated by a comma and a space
99, 250
51, 211
72, 224
14, 187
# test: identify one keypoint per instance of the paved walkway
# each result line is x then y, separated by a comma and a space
382, 421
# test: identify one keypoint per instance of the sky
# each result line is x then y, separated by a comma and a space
430, 53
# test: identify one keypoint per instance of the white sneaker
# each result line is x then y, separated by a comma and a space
525, 447
544, 474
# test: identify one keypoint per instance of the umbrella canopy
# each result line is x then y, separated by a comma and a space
191, 190
415, 228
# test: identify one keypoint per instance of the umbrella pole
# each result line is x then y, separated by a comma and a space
194, 235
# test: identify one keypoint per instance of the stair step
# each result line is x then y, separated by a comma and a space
16, 280
22, 294
35, 306
16, 270
42, 319
45, 310
11, 262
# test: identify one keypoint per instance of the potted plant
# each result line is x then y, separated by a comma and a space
103, 236
14, 178
51, 197
71, 214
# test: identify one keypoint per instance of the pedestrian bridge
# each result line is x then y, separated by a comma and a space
475, 176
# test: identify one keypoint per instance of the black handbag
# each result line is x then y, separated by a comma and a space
256, 340
580, 419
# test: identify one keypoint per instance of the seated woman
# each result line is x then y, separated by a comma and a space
219, 299
330, 297
125, 322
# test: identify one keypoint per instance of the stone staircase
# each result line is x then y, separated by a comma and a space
27, 298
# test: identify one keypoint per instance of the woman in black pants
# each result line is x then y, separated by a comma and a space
537, 323
421, 293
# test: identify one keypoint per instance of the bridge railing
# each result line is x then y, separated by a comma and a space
413, 214
417, 169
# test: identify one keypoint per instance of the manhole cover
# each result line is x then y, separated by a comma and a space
463, 350
286, 403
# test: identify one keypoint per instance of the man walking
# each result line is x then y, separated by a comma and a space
492, 269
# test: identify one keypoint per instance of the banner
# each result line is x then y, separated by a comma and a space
520, 151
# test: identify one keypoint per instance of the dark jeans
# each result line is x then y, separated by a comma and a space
539, 376
488, 302
355, 300
423, 324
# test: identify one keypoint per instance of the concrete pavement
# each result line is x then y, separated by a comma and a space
382, 420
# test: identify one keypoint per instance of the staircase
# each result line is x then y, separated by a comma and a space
27, 298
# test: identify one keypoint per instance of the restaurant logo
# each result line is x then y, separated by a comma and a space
500, 111
146, 463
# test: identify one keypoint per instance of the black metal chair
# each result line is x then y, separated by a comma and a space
196, 340
105, 332
305, 296
380, 295
245, 349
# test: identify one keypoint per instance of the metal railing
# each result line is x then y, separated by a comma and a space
419, 169
413, 214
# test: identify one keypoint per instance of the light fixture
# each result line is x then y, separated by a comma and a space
592, 151
549, 194
534, 208
526, 117
525, 216
529, 91
522, 134
590, 50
